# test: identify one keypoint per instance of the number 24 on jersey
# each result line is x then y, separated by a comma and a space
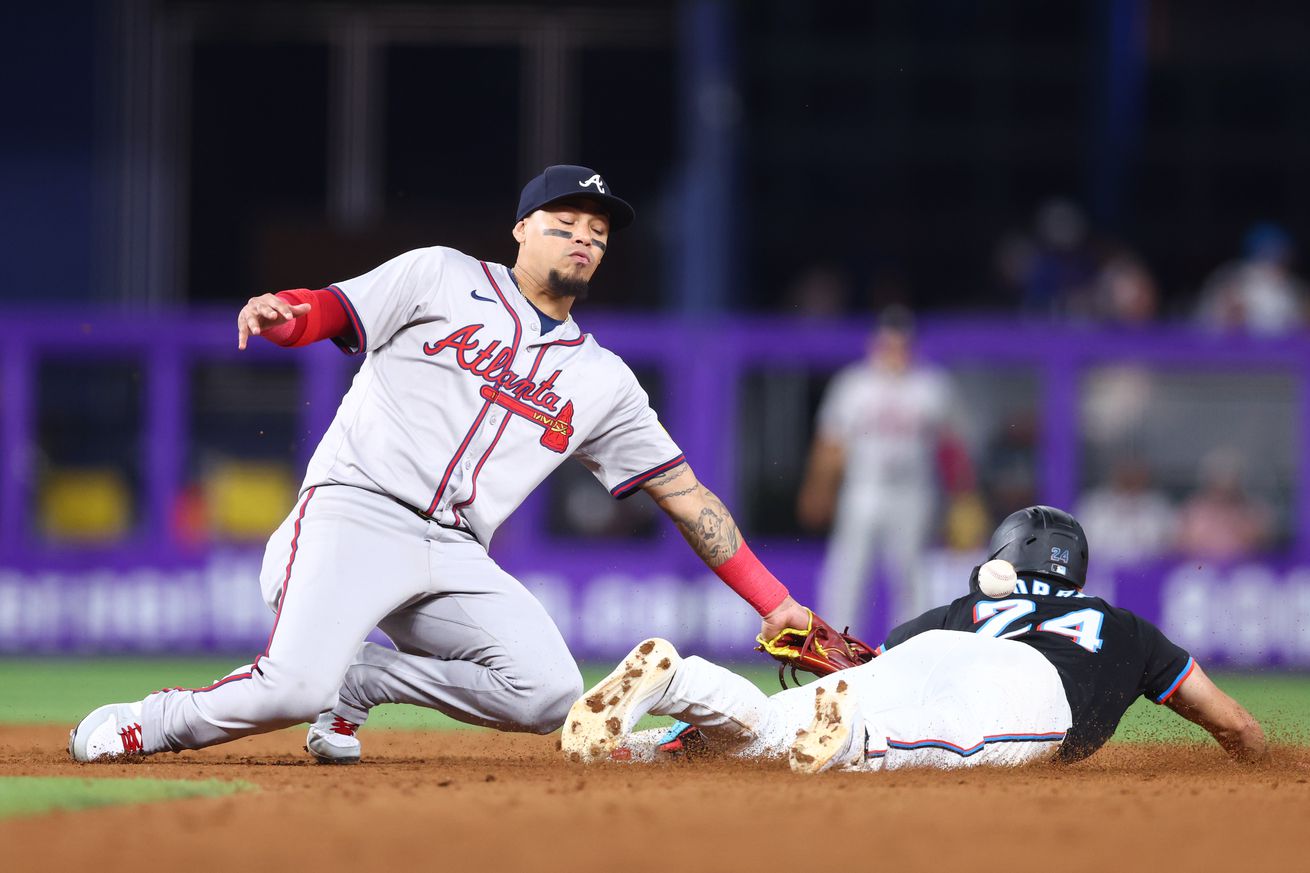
1083, 626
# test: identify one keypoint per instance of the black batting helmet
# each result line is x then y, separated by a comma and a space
1043, 541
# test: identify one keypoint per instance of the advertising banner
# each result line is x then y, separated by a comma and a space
1250, 614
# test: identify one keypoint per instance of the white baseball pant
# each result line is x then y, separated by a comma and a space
473, 643
942, 699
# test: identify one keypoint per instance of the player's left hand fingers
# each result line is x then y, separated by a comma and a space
271, 313
287, 311
244, 325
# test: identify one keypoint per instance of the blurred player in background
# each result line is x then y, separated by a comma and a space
872, 473
1029, 670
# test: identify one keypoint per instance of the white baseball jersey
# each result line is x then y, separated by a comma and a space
886, 421
463, 407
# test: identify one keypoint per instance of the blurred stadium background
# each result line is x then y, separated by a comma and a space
1094, 210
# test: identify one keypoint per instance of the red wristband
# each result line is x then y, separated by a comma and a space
744, 574
325, 319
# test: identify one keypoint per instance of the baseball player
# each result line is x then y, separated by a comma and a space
476, 384
872, 471
1046, 671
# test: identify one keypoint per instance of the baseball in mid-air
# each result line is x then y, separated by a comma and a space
997, 578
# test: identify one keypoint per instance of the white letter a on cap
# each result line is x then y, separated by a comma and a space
594, 180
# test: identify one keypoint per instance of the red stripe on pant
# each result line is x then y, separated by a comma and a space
286, 579
281, 602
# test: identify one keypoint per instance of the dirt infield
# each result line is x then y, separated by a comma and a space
491, 802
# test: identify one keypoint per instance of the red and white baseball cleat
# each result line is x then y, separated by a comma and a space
600, 721
111, 731
331, 740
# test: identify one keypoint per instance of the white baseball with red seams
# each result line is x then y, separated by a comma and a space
461, 408
997, 578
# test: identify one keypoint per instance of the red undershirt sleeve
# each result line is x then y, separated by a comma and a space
752, 581
326, 319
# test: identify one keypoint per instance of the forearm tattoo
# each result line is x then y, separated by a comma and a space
710, 531
664, 498
665, 478
703, 520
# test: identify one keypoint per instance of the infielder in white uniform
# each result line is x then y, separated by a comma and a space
872, 472
476, 384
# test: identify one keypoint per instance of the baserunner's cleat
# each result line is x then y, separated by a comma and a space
827, 742
600, 720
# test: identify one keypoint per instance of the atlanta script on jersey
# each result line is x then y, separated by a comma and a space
463, 407
1106, 657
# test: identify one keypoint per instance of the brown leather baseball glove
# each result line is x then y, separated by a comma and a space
817, 649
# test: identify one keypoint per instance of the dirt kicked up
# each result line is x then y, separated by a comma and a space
451, 801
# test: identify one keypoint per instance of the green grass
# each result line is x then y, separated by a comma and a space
1281, 703
62, 690
29, 795
37, 691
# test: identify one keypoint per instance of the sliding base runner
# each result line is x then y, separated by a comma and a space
1043, 670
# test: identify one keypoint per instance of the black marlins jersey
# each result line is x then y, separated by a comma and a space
1106, 657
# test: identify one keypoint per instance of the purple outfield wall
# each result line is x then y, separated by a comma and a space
1248, 614
148, 594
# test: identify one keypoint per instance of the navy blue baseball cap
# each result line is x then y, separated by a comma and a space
563, 181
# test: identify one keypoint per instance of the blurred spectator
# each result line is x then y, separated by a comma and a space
1127, 518
1061, 271
822, 290
1117, 402
1125, 292
1118, 398
1010, 263
872, 471
1221, 520
1257, 293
